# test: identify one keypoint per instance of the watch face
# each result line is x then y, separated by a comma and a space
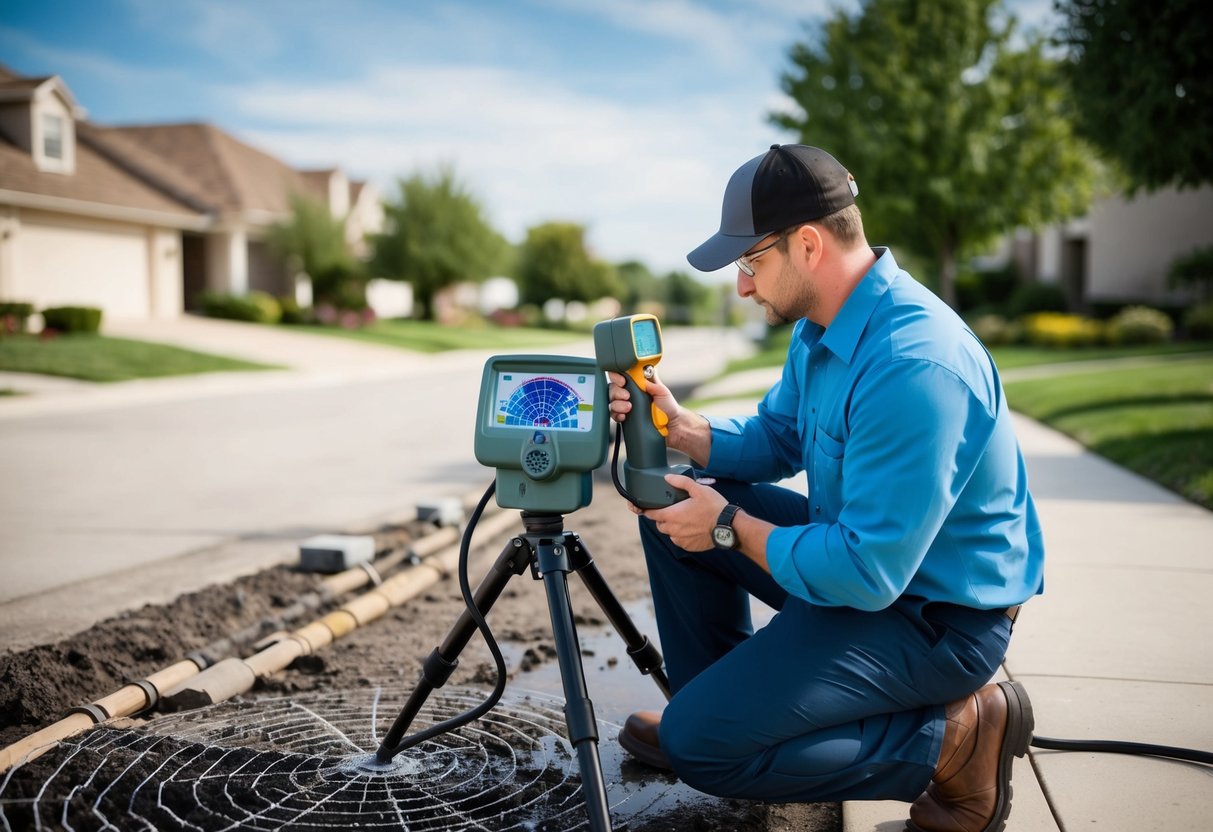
723, 536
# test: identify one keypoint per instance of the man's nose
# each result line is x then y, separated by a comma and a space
745, 284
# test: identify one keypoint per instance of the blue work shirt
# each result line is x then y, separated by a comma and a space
917, 485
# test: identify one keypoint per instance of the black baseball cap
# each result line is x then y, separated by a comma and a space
787, 185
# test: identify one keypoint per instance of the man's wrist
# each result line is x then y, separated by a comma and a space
690, 433
752, 534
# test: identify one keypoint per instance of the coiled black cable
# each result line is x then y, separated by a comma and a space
465, 589
623, 492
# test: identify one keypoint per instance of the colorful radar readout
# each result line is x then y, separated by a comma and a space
555, 401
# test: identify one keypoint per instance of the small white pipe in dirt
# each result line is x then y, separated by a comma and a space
233, 677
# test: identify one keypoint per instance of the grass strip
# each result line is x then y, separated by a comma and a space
100, 358
428, 336
1157, 420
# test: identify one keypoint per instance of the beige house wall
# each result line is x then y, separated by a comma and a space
164, 273
126, 270
1133, 242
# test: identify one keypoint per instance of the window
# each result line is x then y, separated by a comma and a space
52, 136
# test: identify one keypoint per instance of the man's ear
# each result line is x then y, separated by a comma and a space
812, 241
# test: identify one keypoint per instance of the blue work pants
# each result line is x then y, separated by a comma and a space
821, 704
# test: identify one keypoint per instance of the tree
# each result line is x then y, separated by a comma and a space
1142, 83
313, 241
953, 134
436, 235
638, 285
553, 263
684, 297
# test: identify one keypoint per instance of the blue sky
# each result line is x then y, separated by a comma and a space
627, 116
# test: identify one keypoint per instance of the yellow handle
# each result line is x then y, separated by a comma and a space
660, 420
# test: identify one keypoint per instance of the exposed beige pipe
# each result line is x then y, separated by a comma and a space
236, 676
127, 700
140, 696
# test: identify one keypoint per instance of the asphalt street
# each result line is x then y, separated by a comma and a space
142, 491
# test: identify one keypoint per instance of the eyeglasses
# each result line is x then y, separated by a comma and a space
746, 261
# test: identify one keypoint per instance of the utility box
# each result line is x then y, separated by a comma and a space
443, 512
335, 552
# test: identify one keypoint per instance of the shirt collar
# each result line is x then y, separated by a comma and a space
842, 336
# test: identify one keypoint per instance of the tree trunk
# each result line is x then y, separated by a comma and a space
947, 274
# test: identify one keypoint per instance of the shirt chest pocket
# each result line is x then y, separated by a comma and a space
825, 495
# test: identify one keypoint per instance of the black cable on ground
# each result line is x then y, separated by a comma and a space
1119, 747
465, 588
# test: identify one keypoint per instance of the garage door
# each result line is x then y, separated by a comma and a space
82, 264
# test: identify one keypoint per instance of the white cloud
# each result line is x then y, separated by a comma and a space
645, 179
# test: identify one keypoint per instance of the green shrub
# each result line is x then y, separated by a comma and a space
1036, 297
1057, 329
72, 318
1198, 322
1140, 325
986, 287
14, 316
993, 330
292, 312
255, 307
1194, 269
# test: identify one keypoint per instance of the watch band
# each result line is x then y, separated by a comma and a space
726, 516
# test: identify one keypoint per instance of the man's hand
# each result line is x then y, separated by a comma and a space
621, 400
688, 523
687, 431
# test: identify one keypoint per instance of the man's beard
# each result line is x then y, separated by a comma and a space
799, 306
774, 316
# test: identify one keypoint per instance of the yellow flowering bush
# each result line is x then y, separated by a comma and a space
1059, 329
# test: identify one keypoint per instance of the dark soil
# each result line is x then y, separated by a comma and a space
105, 767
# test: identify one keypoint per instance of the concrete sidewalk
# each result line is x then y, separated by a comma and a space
1117, 648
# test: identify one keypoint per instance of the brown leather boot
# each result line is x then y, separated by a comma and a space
639, 737
971, 789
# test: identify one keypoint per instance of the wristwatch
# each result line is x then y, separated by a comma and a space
723, 535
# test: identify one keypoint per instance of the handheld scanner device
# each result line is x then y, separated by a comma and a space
631, 346
543, 423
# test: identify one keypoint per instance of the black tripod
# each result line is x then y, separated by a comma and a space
551, 553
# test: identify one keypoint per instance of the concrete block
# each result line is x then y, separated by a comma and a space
335, 552
444, 512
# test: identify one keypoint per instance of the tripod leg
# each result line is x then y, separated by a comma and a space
642, 651
438, 667
578, 709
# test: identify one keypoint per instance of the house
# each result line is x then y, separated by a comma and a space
138, 220
1120, 252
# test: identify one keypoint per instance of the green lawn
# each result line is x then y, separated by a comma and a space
1157, 420
98, 358
1006, 358
1021, 356
427, 336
